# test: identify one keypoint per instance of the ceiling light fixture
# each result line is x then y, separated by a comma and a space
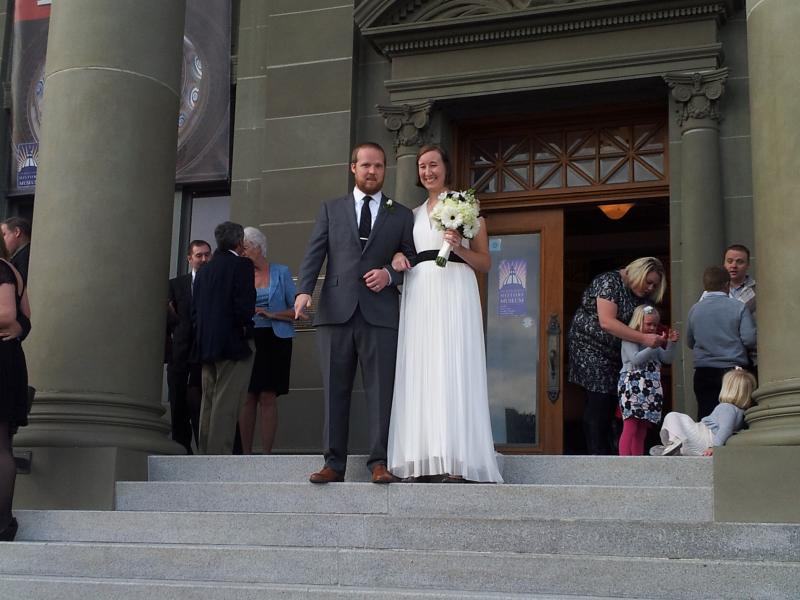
615, 211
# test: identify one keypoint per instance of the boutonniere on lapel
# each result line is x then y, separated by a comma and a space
389, 204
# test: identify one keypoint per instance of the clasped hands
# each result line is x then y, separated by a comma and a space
375, 280
655, 340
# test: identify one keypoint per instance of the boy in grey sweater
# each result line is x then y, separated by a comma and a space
720, 331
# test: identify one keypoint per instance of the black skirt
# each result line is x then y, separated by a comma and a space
13, 385
272, 362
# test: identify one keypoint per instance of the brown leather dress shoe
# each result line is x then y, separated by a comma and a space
380, 474
326, 475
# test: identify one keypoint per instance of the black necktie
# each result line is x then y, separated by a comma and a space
365, 223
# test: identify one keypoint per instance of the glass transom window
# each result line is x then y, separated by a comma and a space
569, 159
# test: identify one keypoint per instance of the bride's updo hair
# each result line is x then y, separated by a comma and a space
445, 161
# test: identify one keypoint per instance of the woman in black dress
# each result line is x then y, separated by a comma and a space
596, 334
273, 333
14, 323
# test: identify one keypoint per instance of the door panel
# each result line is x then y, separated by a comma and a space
524, 330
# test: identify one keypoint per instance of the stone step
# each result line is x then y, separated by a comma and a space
499, 572
719, 541
619, 471
568, 470
64, 588
680, 504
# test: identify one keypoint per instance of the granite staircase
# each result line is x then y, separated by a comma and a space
252, 527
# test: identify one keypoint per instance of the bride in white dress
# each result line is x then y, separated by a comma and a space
440, 414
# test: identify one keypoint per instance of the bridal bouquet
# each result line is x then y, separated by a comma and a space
459, 211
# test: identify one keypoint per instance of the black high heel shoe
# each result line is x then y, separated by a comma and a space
10, 532
454, 479
420, 479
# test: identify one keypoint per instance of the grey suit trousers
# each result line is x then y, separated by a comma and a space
342, 348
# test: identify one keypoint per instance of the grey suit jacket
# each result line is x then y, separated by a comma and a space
335, 236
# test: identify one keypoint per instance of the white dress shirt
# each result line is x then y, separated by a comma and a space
374, 205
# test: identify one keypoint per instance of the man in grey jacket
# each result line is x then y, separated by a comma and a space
359, 307
720, 331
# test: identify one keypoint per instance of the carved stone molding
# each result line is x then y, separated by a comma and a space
697, 94
415, 11
408, 26
408, 123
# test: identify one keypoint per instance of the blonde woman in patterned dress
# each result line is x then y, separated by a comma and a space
597, 330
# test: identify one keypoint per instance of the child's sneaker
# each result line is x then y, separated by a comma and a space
657, 450
672, 448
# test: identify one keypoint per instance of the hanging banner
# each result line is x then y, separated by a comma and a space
31, 20
204, 115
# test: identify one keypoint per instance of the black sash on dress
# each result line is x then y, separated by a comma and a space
432, 254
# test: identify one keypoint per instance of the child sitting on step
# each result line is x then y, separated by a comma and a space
681, 435
640, 394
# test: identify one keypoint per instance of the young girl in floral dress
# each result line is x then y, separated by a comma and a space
641, 396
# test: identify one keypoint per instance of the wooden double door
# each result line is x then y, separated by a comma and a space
540, 182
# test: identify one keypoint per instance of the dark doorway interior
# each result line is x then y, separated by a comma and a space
594, 243
20, 206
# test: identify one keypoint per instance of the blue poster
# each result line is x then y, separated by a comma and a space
512, 290
27, 164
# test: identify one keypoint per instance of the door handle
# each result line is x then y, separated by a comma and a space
554, 358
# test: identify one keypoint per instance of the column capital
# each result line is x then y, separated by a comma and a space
408, 123
697, 94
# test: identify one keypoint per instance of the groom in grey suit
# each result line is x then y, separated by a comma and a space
358, 309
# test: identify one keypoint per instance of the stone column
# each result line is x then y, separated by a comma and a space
756, 474
408, 123
695, 98
99, 259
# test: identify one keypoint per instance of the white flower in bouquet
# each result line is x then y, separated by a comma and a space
456, 211
471, 230
450, 217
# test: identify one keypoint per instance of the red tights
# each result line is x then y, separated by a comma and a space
631, 442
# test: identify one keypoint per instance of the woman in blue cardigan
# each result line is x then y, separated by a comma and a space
273, 333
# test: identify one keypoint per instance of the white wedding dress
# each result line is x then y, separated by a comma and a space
440, 413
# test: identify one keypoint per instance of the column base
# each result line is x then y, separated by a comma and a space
77, 478
757, 484
92, 419
775, 420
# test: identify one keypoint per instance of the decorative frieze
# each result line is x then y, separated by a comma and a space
697, 94
408, 123
416, 25
415, 11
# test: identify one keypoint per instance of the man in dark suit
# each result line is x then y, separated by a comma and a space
223, 306
17, 236
358, 310
184, 376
